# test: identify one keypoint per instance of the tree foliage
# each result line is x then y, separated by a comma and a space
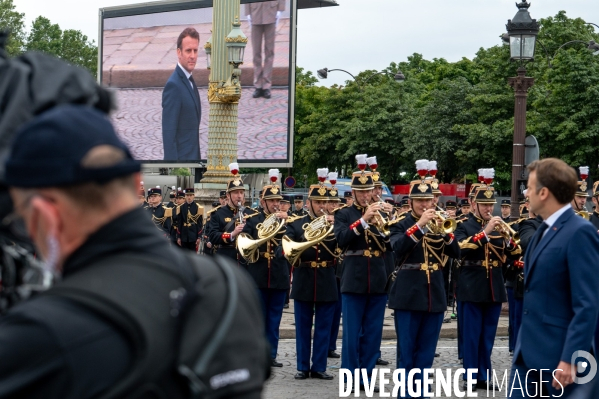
458, 113
69, 45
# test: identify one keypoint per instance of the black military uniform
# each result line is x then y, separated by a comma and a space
302, 211
205, 238
481, 288
161, 215
363, 282
189, 222
314, 291
418, 292
269, 271
224, 220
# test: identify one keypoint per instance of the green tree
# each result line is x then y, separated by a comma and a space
14, 22
69, 45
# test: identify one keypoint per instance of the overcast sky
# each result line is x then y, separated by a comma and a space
362, 34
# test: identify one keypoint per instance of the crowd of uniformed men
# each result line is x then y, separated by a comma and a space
351, 257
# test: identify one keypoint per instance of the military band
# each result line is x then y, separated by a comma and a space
345, 257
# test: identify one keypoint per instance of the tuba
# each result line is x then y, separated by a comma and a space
314, 232
248, 247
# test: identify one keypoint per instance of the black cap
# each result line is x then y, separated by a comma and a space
172, 195
298, 198
215, 204
464, 202
404, 202
180, 194
50, 150
223, 193
449, 204
154, 190
421, 189
286, 198
189, 191
485, 195
506, 202
347, 194
390, 201
343, 201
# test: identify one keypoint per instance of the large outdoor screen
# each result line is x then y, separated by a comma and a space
139, 55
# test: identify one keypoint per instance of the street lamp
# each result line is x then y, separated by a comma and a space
324, 73
522, 32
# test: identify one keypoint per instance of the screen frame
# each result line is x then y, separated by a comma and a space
181, 5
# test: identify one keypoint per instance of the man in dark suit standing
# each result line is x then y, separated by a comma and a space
560, 287
181, 107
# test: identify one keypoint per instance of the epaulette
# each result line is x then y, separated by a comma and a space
292, 219
246, 216
213, 210
168, 212
341, 207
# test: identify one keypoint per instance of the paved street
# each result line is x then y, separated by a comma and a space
282, 385
261, 131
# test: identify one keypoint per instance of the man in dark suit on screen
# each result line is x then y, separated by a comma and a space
561, 282
181, 107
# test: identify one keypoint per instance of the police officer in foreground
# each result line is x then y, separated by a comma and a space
189, 222
314, 288
81, 212
270, 268
418, 294
481, 288
364, 276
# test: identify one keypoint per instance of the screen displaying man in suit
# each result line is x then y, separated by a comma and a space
560, 286
181, 108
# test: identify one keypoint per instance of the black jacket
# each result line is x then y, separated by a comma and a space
482, 283
361, 274
162, 218
189, 221
313, 281
416, 289
595, 219
271, 269
223, 221
53, 348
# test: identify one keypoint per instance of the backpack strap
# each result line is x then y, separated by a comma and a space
196, 386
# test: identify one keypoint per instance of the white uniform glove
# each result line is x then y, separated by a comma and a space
278, 17
250, 20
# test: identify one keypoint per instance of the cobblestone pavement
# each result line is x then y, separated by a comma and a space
282, 385
262, 126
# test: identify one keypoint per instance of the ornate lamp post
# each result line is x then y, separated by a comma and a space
522, 31
224, 52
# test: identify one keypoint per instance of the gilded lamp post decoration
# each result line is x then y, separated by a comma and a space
224, 53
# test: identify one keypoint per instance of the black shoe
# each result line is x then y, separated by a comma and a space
301, 375
511, 353
286, 306
483, 385
274, 363
333, 355
465, 386
258, 93
266, 93
437, 355
381, 362
321, 375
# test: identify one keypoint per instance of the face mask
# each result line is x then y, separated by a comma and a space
51, 259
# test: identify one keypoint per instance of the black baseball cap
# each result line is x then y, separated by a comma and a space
50, 150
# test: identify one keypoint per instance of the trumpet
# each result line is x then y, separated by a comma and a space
448, 225
506, 231
381, 223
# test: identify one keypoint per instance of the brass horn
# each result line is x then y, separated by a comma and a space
449, 225
248, 247
584, 214
315, 232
